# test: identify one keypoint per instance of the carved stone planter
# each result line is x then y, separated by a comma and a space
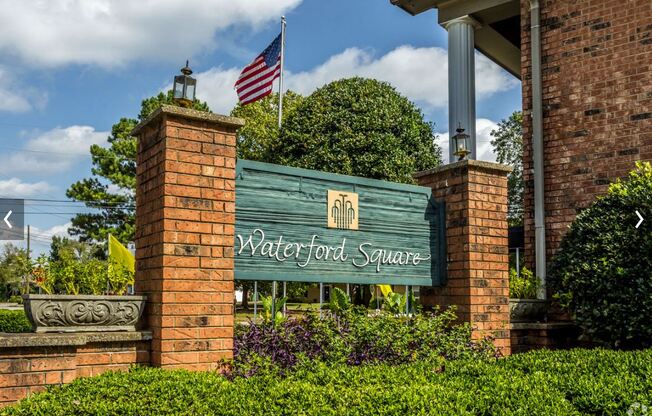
527, 310
83, 313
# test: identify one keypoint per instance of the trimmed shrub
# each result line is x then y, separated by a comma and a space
603, 269
14, 321
354, 338
357, 126
537, 383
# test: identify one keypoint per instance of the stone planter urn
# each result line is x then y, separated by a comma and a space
83, 313
527, 310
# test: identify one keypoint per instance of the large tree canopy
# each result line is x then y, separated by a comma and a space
111, 189
360, 127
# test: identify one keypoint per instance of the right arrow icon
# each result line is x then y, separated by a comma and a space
640, 219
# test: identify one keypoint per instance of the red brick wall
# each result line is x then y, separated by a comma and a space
185, 224
597, 102
26, 370
476, 238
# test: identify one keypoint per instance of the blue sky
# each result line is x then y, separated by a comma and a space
70, 69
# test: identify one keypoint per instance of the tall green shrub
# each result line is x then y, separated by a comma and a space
603, 269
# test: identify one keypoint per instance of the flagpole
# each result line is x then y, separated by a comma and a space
280, 83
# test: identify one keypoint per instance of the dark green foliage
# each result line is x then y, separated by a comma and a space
359, 127
14, 321
603, 269
577, 382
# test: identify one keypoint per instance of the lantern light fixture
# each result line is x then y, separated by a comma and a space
461, 143
184, 87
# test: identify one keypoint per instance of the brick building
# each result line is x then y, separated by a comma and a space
587, 96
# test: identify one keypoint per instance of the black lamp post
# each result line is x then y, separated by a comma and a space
184, 87
461, 143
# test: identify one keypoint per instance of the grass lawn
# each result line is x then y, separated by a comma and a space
576, 382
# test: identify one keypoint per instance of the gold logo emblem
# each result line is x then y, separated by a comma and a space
342, 210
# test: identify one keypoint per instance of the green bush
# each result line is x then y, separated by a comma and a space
360, 127
14, 321
603, 269
538, 383
523, 286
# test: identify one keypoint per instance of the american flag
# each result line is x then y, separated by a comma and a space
256, 79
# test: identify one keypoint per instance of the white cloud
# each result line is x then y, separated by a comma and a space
16, 188
53, 151
484, 150
58, 230
111, 33
16, 101
421, 74
215, 86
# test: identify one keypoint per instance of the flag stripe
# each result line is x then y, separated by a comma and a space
250, 83
261, 94
261, 74
253, 67
256, 79
259, 86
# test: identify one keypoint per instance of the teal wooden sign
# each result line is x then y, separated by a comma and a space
310, 226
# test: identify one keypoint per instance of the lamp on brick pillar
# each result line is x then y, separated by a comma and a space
184, 87
461, 143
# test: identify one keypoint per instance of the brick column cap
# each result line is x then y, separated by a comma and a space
466, 164
188, 113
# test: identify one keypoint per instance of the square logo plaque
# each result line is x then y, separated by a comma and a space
342, 210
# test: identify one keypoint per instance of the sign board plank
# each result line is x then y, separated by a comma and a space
368, 231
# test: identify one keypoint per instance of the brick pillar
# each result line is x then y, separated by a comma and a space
475, 193
185, 223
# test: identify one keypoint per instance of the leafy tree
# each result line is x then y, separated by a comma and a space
359, 127
261, 131
115, 166
508, 146
14, 267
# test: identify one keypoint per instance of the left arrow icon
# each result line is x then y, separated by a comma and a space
7, 219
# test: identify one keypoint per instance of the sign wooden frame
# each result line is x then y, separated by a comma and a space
282, 229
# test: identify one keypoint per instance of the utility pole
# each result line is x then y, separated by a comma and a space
26, 289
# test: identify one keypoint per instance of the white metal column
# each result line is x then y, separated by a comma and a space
461, 80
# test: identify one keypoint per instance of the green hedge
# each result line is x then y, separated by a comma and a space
14, 321
538, 383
